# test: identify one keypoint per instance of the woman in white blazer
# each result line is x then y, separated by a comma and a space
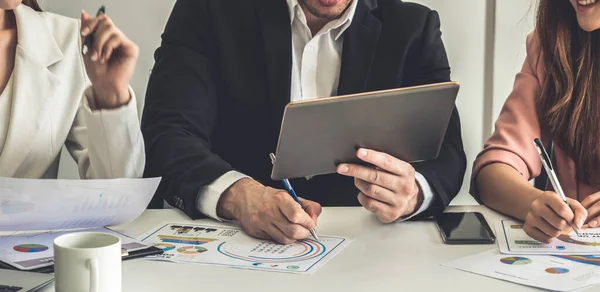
51, 95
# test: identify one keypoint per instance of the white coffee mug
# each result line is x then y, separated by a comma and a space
87, 261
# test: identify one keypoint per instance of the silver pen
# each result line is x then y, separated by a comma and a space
290, 190
552, 175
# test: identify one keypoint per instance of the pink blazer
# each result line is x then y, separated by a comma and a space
518, 125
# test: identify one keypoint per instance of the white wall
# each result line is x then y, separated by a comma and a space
484, 40
464, 32
515, 19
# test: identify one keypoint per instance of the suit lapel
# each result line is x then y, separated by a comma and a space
274, 20
33, 84
360, 44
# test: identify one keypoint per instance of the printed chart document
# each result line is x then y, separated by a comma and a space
36, 204
29, 251
232, 247
513, 240
546, 272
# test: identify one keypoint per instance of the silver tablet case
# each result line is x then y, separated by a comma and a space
408, 123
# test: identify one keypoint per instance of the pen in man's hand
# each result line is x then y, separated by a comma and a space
290, 190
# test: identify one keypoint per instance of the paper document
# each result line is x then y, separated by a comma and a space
28, 251
513, 240
546, 272
232, 247
35, 204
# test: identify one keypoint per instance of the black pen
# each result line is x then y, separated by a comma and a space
552, 175
89, 40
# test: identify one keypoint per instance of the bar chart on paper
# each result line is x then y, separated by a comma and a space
513, 240
231, 247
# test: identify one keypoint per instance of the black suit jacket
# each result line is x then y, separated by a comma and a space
222, 77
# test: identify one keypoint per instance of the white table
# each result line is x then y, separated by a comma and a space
382, 257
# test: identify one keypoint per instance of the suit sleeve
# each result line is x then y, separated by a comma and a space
180, 113
445, 174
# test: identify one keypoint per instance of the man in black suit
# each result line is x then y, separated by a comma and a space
223, 75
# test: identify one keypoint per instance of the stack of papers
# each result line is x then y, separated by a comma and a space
569, 263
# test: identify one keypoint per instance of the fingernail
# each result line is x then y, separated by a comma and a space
94, 57
580, 223
362, 153
593, 223
343, 169
85, 31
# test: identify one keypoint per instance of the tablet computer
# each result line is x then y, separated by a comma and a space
317, 135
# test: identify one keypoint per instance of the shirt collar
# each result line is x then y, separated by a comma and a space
340, 24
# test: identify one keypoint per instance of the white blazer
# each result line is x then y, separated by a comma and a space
50, 108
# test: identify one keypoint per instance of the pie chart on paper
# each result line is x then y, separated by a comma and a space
29, 248
515, 261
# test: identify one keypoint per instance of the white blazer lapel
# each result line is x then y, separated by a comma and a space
33, 86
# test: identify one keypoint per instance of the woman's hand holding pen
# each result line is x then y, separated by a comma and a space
549, 217
268, 213
109, 62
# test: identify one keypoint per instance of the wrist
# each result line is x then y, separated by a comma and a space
417, 201
229, 204
110, 99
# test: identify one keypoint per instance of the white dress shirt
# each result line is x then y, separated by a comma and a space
316, 64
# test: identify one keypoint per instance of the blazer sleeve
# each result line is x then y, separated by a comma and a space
107, 144
180, 114
445, 174
518, 124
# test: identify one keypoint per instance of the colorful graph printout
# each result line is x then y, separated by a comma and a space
231, 247
542, 271
32, 250
584, 259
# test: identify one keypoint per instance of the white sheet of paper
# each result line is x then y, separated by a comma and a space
232, 247
546, 272
28, 251
35, 204
513, 240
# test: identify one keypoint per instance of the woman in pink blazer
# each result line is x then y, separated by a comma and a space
556, 97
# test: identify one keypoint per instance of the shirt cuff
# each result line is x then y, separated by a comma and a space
428, 197
209, 195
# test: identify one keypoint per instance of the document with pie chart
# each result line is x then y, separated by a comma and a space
513, 240
33, 250
232, 247
542, 271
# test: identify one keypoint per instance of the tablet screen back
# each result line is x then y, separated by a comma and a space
408, 123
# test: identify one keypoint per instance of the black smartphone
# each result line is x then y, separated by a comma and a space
464, 228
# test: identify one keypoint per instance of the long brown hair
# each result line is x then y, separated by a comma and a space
33, 4
569, 101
